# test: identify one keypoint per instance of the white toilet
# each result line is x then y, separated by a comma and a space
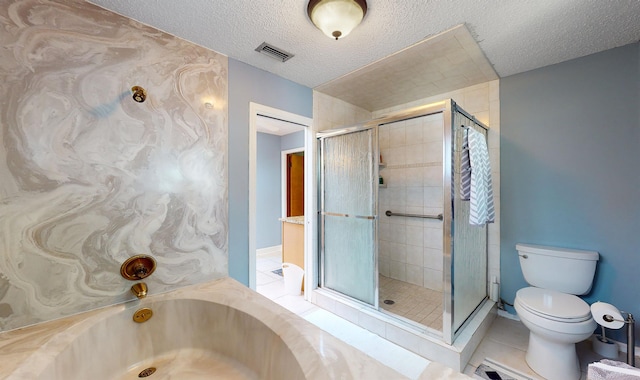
556, 318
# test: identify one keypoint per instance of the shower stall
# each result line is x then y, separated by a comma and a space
394, 232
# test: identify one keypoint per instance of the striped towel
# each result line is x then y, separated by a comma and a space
481, 190
465, 168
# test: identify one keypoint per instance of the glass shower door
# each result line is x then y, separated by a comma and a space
469, 242
348, 185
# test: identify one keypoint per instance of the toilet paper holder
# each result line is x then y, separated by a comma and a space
631, 338
630, 323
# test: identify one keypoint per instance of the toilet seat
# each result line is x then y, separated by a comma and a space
553, 305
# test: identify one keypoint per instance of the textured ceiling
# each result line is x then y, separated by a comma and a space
446, 62
515, 35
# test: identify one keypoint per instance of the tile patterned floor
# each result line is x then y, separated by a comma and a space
505, 343
407, 363
411, 301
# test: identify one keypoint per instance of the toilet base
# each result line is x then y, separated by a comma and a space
553, 360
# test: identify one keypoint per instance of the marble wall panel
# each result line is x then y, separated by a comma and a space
89, 177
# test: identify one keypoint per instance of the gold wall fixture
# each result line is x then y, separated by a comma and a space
142, 315
147, 372
139, 290
139, 94
138, 267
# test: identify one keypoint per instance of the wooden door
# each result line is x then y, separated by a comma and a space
295, 184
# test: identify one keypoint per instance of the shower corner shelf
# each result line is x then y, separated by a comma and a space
382, 185
381, 164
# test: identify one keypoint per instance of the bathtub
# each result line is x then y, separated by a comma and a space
220, 329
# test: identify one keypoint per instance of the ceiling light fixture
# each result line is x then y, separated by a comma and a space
336, 18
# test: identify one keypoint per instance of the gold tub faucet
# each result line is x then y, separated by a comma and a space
139, 289
136, 268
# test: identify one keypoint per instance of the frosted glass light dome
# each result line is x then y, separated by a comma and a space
336, 18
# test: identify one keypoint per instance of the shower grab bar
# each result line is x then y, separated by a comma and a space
439, 216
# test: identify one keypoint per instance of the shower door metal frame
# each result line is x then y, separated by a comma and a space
448, 108
320, 136
449, 334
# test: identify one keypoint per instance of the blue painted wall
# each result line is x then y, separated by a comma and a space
570, 169
249, 84
269, 185
292, 140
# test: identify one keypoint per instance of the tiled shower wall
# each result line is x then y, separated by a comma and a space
410, 249
482, 101
88, 177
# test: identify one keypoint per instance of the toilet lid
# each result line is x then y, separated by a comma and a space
554, 305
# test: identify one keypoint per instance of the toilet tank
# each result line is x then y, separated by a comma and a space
566, 270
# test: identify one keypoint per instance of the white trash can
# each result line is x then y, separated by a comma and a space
293, 275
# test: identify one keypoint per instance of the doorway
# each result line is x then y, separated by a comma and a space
294, 135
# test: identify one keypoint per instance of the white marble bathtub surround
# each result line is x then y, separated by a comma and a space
89, 177
219, 324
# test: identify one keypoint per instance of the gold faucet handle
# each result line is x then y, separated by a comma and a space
138, 267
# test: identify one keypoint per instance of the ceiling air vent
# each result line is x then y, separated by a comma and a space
274, 52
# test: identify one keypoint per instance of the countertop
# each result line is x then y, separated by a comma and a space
293, 219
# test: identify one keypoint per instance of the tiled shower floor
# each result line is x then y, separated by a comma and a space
411, 301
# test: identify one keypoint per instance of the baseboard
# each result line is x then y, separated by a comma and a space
268, 250
622, 347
